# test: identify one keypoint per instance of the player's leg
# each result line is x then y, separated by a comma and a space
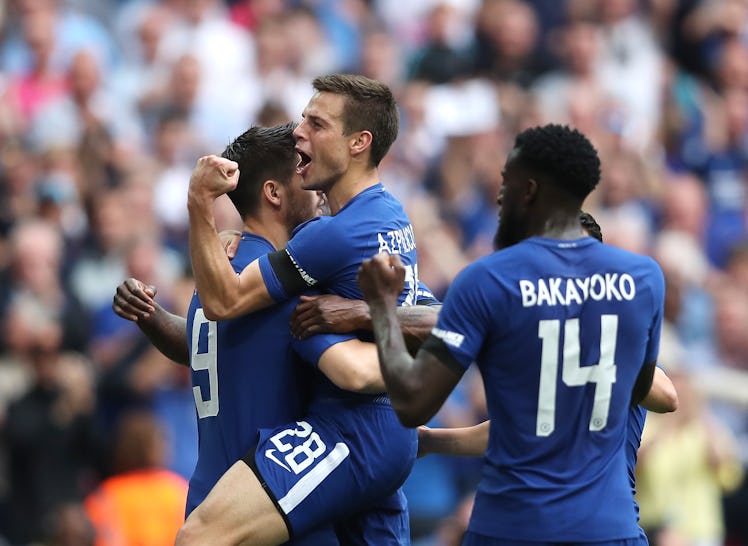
236, 511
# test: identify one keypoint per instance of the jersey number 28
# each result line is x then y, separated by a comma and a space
602, 374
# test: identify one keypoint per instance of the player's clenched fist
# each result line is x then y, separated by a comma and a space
213, 176
381, 278
134, 300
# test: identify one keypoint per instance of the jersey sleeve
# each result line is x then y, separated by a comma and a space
312, 256
424, 295
310, 349
464, 321
658, 303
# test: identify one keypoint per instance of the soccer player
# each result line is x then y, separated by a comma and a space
565, 333
473, 441
354, 450
332, 314
245, 375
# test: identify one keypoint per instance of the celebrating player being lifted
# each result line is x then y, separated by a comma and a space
361, 453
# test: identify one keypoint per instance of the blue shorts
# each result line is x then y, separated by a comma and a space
474, 539
386, 522
343, 463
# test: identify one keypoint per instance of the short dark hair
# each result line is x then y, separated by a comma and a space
369, 106
263, 153
562, 154
590, 225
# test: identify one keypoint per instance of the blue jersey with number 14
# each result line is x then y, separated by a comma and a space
560, 331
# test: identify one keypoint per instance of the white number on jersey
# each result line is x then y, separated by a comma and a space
602, 374
411, 284
301, 456
208, 360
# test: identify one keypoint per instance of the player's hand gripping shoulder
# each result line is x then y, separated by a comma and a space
381, 279
212, 176
133, 300
328, 313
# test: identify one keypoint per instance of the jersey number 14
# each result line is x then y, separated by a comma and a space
602, 374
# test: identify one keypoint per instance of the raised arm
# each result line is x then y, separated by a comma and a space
223, 293
166, 331
417, 386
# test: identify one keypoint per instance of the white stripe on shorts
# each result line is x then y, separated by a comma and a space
308, 483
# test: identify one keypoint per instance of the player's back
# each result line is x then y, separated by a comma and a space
244, 376
570, 324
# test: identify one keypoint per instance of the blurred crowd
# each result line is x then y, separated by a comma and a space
105, 105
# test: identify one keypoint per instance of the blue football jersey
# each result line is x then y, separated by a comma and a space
560, 331
328, 250
245, 376
326, 254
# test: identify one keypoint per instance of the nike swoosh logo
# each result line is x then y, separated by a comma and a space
270, 454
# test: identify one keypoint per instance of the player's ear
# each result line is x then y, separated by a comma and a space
360, 142
531, 190
271, 191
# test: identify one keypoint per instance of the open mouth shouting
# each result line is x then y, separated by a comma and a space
305, 161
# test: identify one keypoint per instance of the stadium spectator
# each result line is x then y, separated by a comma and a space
54, 447
141, 502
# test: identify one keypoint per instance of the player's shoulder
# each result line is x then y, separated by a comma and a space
374, 197
317, 228
250, 248
471, 274
626, 258
313, 223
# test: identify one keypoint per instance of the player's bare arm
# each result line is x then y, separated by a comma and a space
662, 397
473, 441
461, 442
353, 365
332, 314
223, 294
166, 331
417, 386
329, 314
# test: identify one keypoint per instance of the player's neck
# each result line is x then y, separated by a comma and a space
275, 232
349, 186
560, 226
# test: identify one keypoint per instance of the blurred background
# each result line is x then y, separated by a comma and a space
105, 106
